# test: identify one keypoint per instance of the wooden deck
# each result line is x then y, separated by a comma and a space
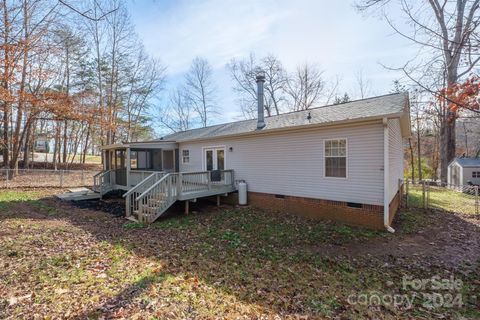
150, 198
79, 194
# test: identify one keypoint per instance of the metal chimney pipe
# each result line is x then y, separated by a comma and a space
261, 118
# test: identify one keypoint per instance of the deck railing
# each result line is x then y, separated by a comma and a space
202, 181
156, 199
102, 182
164, 190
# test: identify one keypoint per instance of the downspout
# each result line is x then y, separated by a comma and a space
386, 177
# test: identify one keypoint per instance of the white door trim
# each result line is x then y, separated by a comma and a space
214, 149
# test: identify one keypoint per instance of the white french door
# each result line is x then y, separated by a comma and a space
214, 158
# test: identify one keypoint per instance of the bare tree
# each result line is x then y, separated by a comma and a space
177, 115
363, 84
275, 83
446, 32
145, 78
305, 87
200, 89
86, 13
243, 73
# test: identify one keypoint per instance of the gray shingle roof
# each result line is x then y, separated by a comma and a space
468, 162
376, 107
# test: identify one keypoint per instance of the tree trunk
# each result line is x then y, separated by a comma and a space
447, 144
56, 150
419, 154
85, 147
412, 159
27, 146
17, 137
65, 142
6, 104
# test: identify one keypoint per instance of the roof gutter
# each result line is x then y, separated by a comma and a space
386, 177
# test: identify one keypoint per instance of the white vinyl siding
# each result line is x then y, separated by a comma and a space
468, 175
292, 162
395, 152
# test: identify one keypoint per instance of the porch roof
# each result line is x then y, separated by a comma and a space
163, 144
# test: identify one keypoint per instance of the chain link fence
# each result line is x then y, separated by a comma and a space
462, 199
38, 178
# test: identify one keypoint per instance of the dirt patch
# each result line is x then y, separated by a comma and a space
441, 239
82, 262
115, 207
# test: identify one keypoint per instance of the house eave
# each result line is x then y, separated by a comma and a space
114, 146
360, 121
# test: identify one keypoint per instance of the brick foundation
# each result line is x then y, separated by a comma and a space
365, 215
395, 205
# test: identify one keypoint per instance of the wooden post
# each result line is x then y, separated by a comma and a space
400, 193
179, 184
6, 178
218, 200
423, 196
406, 194
476, 199
187, 206
128, 207
61, 178
428, 196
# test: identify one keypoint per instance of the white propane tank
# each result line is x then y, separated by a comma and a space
242, 193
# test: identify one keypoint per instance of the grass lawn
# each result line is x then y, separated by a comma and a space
93, 159
60, 261
445, 199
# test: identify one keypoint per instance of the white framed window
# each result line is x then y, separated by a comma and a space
476, 174
335, 158
185, 156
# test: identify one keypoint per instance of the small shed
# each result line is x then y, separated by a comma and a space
42, 144
463, 171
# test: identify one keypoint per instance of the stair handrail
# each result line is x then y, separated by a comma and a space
99, 179
141, 183
140, 197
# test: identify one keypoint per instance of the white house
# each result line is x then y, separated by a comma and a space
342, 162
462, 171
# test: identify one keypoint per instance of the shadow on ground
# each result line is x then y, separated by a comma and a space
227, 262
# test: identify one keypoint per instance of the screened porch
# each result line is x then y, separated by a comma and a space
129, 164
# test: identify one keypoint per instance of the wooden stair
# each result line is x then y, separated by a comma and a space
152, 197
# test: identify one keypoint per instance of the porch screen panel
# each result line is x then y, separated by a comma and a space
133, 160
168, 160
157, 160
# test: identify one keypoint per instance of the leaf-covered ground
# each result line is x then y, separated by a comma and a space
60, 261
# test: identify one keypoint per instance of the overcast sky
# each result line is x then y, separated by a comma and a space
329, 33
